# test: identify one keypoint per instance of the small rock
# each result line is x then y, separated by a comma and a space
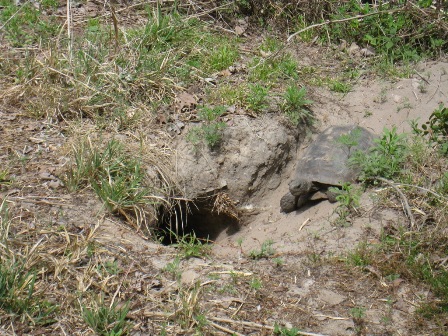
54, 184
353, 50
188, 277
367, 52
46, 176
397, 99
330, 297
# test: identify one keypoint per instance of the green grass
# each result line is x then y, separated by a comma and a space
117, 178
18, 294
211, 129
295, 105
107, 320
257, 98
189, 246
386, 157
266, 250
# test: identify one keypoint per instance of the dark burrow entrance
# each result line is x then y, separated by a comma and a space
205, 217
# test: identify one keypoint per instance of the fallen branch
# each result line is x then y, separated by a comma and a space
357, 17
402, 196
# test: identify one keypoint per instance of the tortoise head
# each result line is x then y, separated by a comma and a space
299, 187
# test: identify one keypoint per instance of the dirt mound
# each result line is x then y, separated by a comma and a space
247, 165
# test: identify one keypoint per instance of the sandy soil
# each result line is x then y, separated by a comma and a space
305, 283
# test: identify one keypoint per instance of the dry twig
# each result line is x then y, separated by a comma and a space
357, 17
403, 199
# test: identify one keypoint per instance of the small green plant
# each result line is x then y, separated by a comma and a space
257, 97
385, 158
350, 139
110, 267
278, 262
289, 67
5, 222
17, 292
223, 57
436, 128
295, 105
360, 256
116, 177
191, 247
266, 250
348, 197
5, 178
107, 320
173, 268
338, 86
284, 331
256, 284
405, 105
357, 312
201, 321
382, 97
211, 129
271, 44
239, 241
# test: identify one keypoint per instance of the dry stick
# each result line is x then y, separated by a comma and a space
403, 199
227, 330
423, 189
257, 325
69, 31
342, 20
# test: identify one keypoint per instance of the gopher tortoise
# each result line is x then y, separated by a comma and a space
325, 164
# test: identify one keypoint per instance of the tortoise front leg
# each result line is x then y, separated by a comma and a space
288, 203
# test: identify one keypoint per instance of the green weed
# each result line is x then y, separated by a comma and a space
228, 95
295, 105
350, 139
257, 97
173, 268
278, 262
223, 56
338, 86
26, 25
348, 197
107, 320
284, 331
255, 284
271, 44
211, 129
436, 128
360, 257
116, 177
191, 247
384, 32
5, 222
17, 293
110, 267
262, 70
385, 158
266, 250
288, 67
5, 179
